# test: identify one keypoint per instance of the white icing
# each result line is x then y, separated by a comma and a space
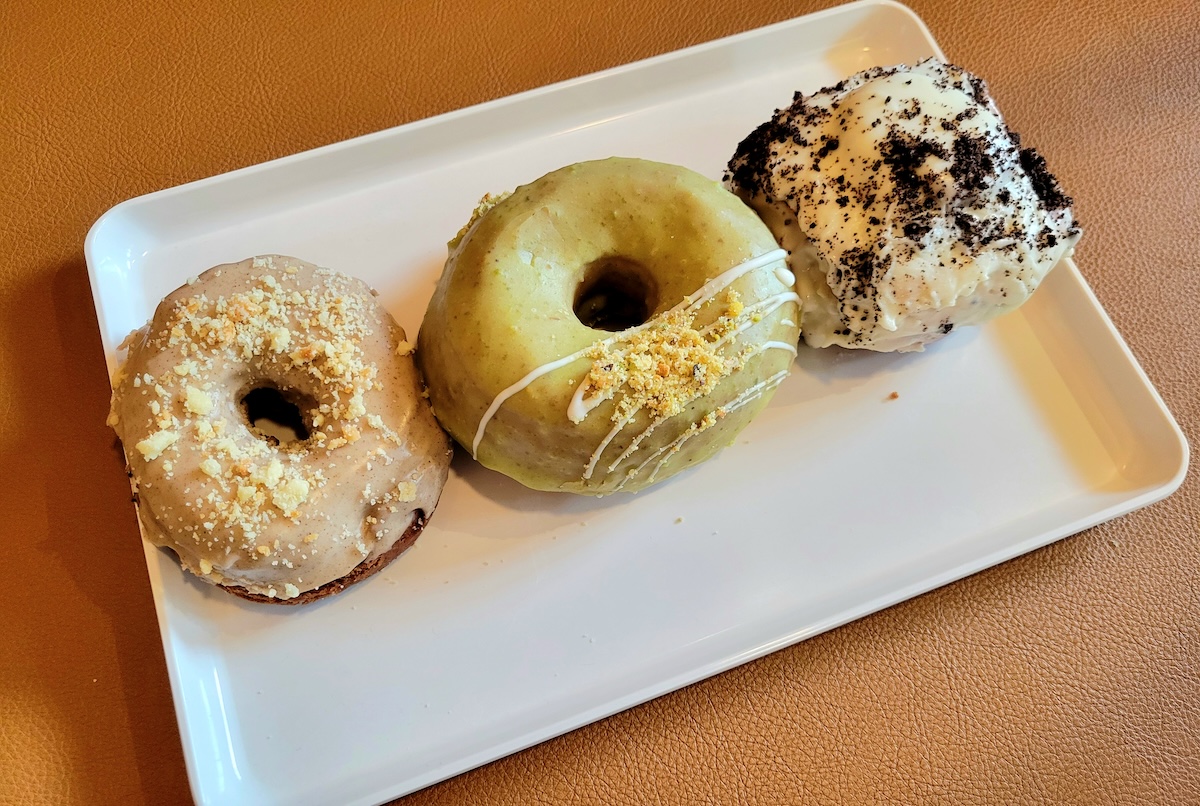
581, 405
746, 397
876, 267
763, 308
637, 443
776, 345
520, 385
596, 454
578, 409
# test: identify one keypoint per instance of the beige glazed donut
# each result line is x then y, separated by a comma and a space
275, 519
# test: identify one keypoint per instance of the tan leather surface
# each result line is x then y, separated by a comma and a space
1071, 675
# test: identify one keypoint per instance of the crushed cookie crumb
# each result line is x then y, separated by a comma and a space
897, 212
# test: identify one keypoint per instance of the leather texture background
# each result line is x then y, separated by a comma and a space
1071, 675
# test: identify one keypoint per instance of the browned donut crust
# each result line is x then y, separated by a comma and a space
360, 572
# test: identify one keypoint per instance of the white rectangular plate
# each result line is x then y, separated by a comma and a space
521, 615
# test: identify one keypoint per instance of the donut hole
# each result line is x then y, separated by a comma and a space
616, 294
275, 415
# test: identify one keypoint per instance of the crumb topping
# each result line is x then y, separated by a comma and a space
662, 369
486, 203
237, 482
902, 180
663, 365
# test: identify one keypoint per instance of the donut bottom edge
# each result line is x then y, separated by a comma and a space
357, 574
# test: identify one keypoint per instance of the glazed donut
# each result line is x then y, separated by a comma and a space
607, 326
907, 205
276, 520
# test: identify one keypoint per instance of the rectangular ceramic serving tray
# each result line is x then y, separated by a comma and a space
521, 615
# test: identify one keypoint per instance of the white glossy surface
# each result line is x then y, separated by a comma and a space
520, 615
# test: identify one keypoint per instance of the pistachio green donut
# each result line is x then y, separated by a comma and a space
607, 326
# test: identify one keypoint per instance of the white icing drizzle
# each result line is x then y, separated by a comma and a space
765, 308
714, 286
520, 385
596, 454
637, 441
746, 397
776, 345
580, 406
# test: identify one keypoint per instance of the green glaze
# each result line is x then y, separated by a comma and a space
504, 306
